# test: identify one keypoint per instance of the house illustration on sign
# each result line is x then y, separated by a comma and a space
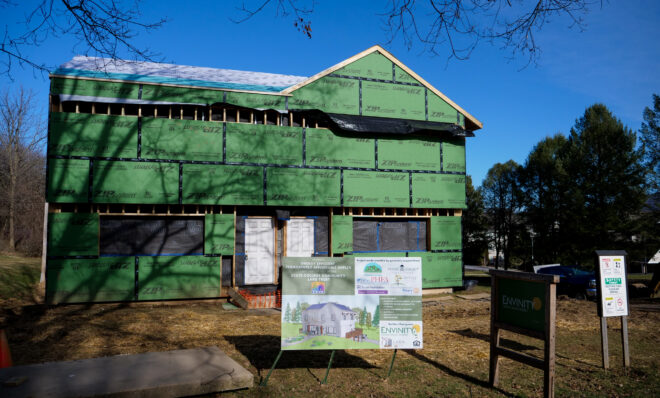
329, 319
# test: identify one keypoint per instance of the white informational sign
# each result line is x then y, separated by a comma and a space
613, 286
336, 303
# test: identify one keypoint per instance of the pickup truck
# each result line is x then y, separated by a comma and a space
573, 281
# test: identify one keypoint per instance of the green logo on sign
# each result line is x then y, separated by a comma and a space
612, 281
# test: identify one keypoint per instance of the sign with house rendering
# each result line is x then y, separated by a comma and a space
334, 303
612, 284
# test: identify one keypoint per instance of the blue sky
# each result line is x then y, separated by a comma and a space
615, 61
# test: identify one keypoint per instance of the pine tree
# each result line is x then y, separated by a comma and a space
363, 316
376, 320
298, 314
287, 313
369, 322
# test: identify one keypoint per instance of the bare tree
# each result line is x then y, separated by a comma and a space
284, 8
22, 134
456, 27
102, 27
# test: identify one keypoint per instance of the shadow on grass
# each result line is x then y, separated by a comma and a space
453, 373
261, 351
507, 343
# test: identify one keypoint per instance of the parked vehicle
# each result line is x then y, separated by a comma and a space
573, 281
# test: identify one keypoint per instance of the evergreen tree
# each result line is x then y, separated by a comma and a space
363, 316
502, 197
544, 180
376, 320
369, 322
475, 244
650, 137
607, 185
287, 313
297, 318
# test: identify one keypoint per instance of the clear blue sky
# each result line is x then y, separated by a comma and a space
615, 61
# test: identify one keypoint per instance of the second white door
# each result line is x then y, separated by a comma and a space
300, 237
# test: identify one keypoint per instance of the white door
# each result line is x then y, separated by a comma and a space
259, 251
300, 237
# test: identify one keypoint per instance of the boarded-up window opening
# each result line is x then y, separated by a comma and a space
389, 236
151, 236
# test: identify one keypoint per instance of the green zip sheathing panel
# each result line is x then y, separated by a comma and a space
135, 182
393, 100
441, 270
403, 77
383, 254
219, 234
68, 180
440, 111
376, 189
208, 184
342, 234
84, 134
453, 156
438, 191
446, 233
73, 234
168, 278
259, 143
181, 140
329, 94
94, 88
90, 280
180, 94
257, 101
302, 187
327, 149
372, 66
409, 153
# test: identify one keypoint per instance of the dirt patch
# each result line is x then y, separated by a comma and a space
454, 361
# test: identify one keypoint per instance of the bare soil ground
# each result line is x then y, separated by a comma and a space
453, 362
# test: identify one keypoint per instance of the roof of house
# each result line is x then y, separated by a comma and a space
321, 305
151, 72
170, 74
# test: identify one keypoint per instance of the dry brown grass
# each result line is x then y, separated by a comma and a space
454, 361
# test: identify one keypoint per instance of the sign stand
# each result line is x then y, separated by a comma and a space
524, 303
389, 372
612, 274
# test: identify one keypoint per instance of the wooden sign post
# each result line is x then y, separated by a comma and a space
524, 303
612, 280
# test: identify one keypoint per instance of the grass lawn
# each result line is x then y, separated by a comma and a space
18, 276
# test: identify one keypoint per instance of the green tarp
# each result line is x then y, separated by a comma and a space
443, 191
73, 234
168, 278
265, 144
409, 153
329, 94
222, 185
372, 66
303, 187
441, 269
376, 189
94, 88
327, 149
135, 182
393, 100
342, 234
181, 140
453, 156
446, 233
219, 234
90, 280
68, 180
84, 134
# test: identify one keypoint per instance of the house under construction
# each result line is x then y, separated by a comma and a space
171, 182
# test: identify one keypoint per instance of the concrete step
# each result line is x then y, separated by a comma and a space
156, 374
